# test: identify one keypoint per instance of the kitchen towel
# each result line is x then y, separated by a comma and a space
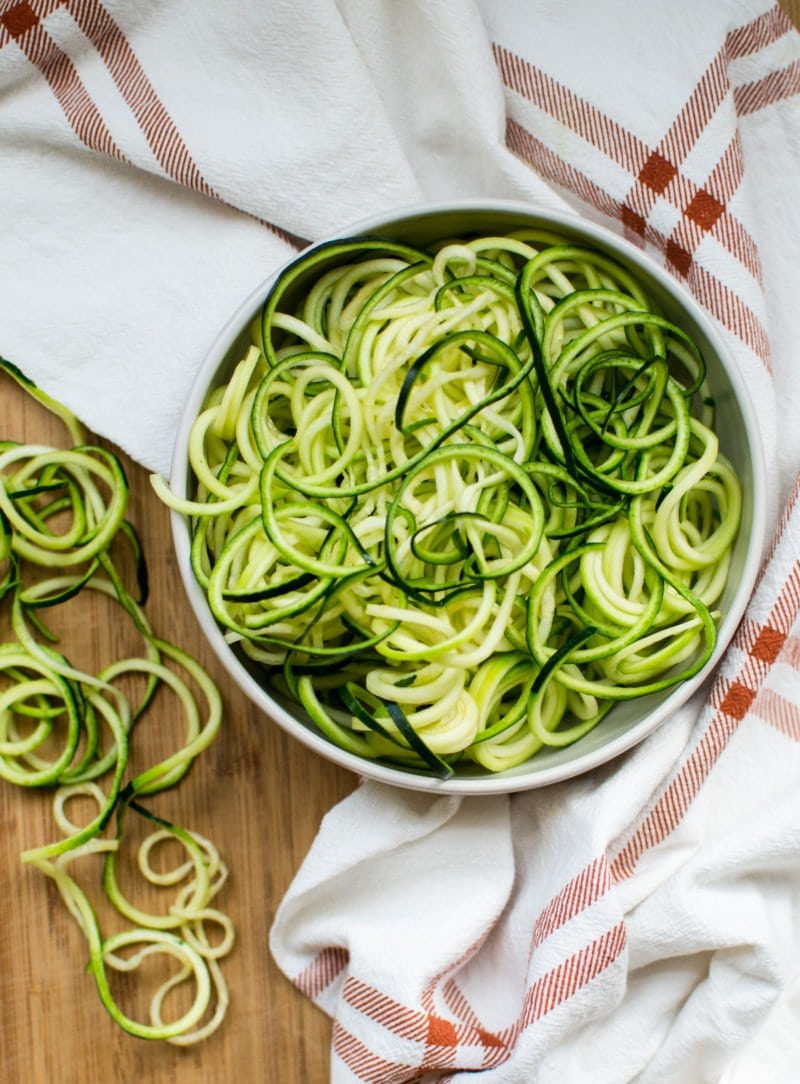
159, 159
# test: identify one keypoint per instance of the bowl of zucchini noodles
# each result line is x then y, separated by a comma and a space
469, 498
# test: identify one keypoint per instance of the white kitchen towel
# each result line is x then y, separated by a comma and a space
157, 160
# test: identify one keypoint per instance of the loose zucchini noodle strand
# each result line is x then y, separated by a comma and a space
458, 503
61, 727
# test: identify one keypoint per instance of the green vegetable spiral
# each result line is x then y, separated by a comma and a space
457, 503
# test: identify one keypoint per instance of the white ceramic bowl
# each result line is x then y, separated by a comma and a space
628, 722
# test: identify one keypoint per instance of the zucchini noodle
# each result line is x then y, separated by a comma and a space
64, 728
456, 503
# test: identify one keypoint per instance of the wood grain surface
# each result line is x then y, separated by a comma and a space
257, 793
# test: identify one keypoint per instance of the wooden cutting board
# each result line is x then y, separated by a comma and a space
258, 794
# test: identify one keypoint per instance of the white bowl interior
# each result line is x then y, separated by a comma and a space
628, 722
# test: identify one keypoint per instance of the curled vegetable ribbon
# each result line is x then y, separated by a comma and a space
457, 503
61, 512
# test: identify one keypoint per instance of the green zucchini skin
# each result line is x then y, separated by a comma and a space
481, 480
63, 531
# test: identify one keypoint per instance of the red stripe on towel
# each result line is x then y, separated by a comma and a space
715, 296
444, 1038
791, 652
158, 127
565, 980
590, 885
782, 714
22, 23
17, 17
692, 120
399, 1019
731, 699
573, 111
364, 1064
758, 33
654, 170
321, 972
774, 87
62, 76
785, 519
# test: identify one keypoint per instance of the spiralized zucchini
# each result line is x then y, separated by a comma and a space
457, 503
63, 728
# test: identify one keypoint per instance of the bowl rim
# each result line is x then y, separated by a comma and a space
501, 782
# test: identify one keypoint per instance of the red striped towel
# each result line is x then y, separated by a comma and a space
158, 160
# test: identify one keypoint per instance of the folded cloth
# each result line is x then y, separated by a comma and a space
158, 160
